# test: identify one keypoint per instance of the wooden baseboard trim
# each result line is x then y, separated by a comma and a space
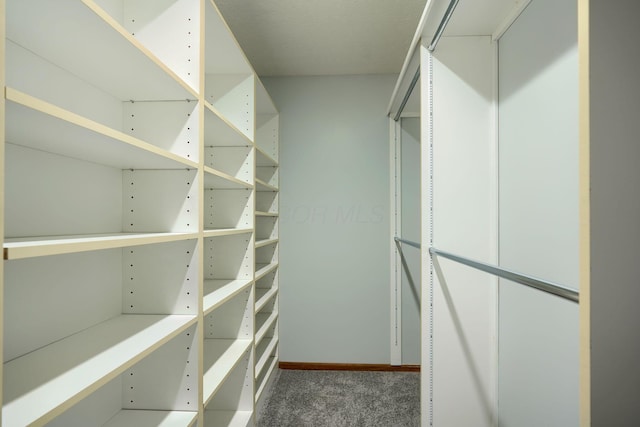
303, 366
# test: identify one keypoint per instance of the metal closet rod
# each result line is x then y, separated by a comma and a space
443, 24
432, 46
408, 242
532, 282
412, 85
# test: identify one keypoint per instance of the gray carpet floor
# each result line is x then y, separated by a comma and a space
342, 399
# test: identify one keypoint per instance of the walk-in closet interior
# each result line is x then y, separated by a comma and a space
201, 194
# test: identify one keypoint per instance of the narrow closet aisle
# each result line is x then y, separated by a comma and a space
240, 213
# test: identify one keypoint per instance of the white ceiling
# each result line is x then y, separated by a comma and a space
323, 37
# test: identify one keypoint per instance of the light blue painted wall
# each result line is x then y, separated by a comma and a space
334, 223
411, 231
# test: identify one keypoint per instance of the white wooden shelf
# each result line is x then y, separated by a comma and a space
113, 61
218, 232
264, 269
28, 247
37, 124
218, 131
263, 296
263, 186
264, 321
264, 159
152, 418
265, 242
219, 291
41, 384
227, 418
220, 357
215, 179
263, 379
263, 353
262, 213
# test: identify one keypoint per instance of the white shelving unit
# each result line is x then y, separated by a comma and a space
266, 241
133, 175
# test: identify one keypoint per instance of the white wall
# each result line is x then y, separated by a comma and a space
334, 223
538, 132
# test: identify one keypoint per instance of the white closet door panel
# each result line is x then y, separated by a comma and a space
48, 194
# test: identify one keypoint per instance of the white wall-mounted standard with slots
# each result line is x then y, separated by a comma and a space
129, 220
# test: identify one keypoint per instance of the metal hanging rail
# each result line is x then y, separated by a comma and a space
541, 285
432, 46
412, 86
532, 282
443, 24
408, 242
